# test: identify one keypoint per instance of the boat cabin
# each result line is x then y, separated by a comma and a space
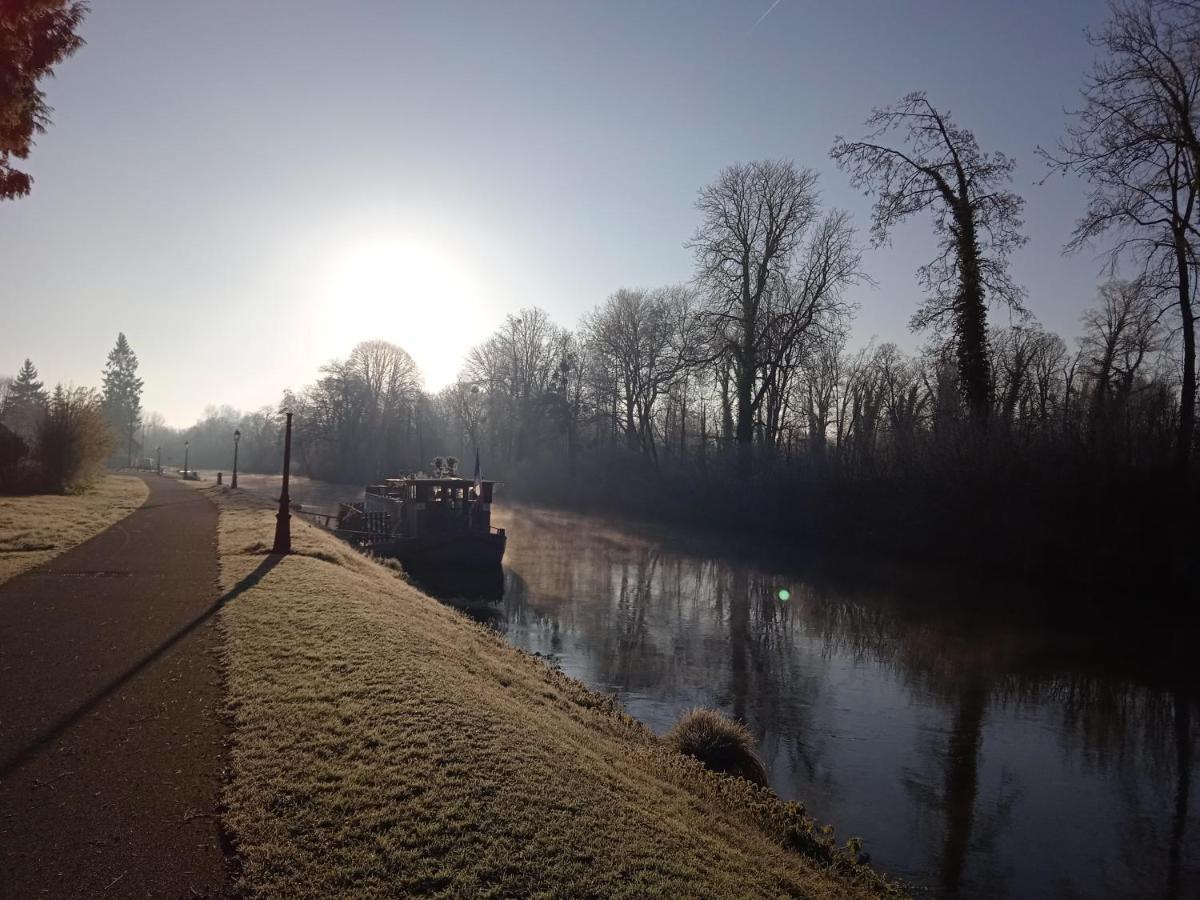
419, 507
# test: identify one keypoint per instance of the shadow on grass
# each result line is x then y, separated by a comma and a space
52, 733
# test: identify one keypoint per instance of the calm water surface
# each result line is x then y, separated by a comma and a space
974, 759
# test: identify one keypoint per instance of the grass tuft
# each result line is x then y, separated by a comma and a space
722, 745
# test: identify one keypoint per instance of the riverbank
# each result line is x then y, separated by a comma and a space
35, 528
384, 745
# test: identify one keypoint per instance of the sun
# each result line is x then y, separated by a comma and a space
408, 291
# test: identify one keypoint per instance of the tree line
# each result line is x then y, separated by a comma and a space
751, 356
743, 378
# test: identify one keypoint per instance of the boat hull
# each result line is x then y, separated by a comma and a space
452, 552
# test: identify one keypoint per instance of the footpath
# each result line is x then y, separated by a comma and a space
111, 734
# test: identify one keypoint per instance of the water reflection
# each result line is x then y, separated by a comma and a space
475, 591
978, 758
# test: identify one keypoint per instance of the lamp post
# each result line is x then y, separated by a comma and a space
158, 463
185, 459
237, 436
283, 518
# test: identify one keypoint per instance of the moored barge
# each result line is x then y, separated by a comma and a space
438, 522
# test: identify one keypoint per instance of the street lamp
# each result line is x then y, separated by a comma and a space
237, 436
158, 464
283, 519
185, 459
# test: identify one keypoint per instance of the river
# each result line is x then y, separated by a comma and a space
977, 756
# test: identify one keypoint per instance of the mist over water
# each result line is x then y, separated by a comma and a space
976, 756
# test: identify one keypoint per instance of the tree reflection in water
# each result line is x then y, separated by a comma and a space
976, 755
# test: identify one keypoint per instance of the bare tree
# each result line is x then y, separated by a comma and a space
977, 222
1119, 334
754, 218
647, 336
1014, 351
806, 307
822, 372
515, 368
903, 400
1135, 140
391, 387
1049, 385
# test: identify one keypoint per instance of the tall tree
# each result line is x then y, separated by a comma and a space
755, 216
25, 402
27, 388
1120, 332
35, 35
122, 391
644, 335
1135, 140
977, 222
515, 368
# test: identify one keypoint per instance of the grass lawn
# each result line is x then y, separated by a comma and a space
384, 745
38, 527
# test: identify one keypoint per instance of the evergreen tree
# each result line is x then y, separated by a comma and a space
35, 35
26, 388
26, 401
123, 391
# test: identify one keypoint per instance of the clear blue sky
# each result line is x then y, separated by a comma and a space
223, 179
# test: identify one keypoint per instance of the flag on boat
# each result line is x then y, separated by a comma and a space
478, 477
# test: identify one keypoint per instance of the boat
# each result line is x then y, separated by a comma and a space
440, 522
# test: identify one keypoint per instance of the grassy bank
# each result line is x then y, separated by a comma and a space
37, 527
384, 745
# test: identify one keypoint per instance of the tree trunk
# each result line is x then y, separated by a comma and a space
683, 423
1187, 394
971, 323
745, 418
631, 431
726, 407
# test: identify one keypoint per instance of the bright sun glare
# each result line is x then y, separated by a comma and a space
409, 292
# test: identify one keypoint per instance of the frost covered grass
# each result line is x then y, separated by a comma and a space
385, 745
37, 527
721, 744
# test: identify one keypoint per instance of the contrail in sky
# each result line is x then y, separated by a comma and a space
770, 9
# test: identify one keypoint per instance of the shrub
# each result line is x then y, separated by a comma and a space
13, 451
720, 744
73, 439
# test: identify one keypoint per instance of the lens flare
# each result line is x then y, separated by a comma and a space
785, 594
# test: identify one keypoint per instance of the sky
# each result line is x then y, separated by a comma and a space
247, 189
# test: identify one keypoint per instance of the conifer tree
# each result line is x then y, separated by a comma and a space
123, 391
26, 387
35, 35
26, 400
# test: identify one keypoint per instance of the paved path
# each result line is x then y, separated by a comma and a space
111, 739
